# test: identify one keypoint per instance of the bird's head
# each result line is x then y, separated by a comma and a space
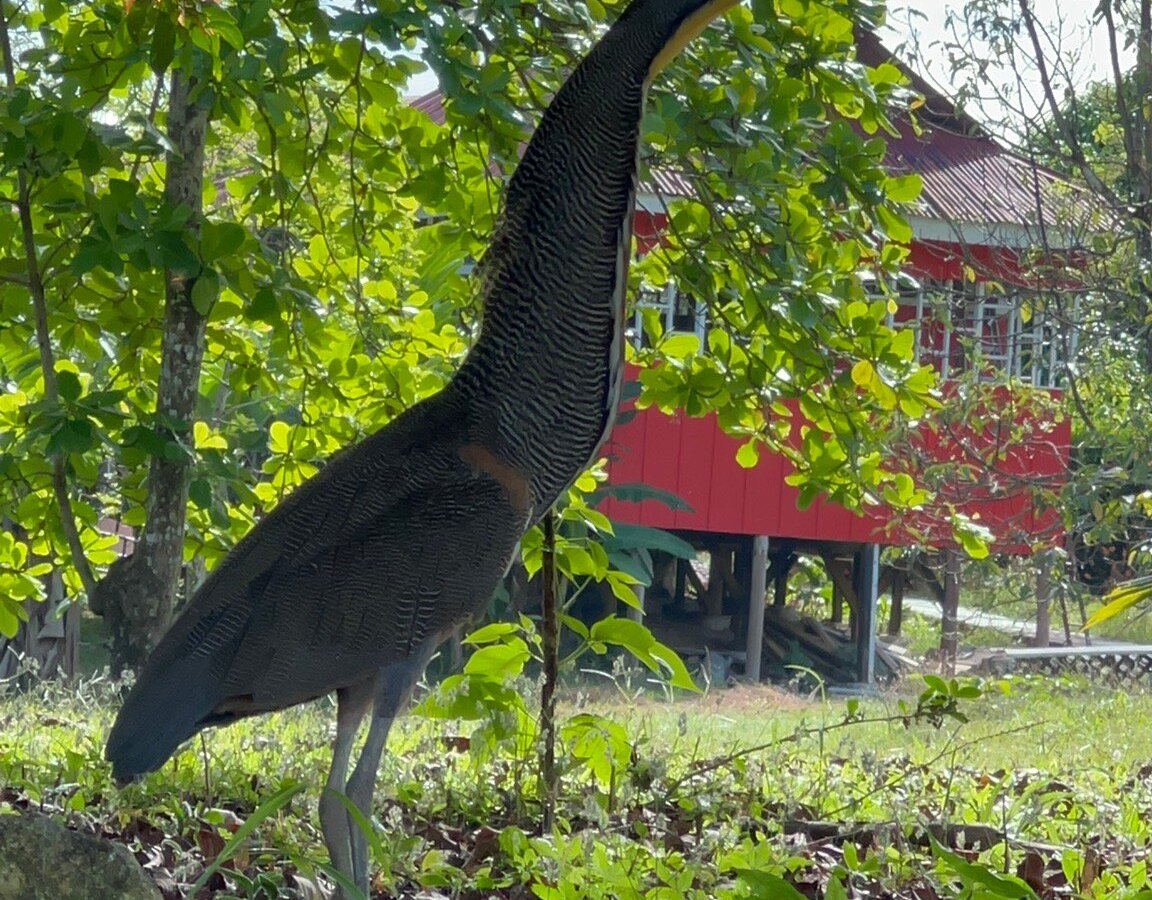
679, 20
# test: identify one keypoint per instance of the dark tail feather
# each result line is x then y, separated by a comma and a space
162, 710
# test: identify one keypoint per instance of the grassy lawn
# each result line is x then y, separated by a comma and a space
669, 802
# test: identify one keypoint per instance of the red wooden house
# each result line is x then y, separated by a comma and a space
977, 217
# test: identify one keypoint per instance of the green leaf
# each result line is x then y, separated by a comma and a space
835, 890
200, 492
895, 226
205, 291
602, 745
499, 661
764, 886
576, 625
204, 439
72, 436
279, 438
639, 641
223, 24
497, 631
973, 874
636, 564
69, 385
163, 47
749, 454
643, 537
640, 493
903, 188
269, 807
680, 346
936, 684
221, 239
264, 307
9, 622
625, 632
678, 675
863, 373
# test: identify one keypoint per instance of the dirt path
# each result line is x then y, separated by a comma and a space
982, 618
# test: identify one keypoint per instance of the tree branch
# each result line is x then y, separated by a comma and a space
1063, 126
1131, 147
1143, 126
35, 286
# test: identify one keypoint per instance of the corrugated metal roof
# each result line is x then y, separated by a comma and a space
432, 105
968, 177
973, 180
666, 183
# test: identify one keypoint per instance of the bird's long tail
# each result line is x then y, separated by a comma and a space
163, 709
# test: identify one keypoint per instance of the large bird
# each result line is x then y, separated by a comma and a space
352, 582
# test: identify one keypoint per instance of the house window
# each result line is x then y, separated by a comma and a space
909, 296
964, 326
1043, 347
678, 311
972, 326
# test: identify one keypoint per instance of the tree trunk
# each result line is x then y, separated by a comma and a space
950, 617
138, 595
720, 563
1143, 163
1043, 599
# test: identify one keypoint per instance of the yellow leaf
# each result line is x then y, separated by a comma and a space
748, 454
1121, 598
863, 373
204, 439
883, 393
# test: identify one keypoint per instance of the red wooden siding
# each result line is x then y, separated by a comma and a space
695, 460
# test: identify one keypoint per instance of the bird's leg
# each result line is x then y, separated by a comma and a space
395, 686
351, 705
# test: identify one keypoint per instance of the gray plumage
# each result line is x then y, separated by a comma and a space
379, 552
353, 580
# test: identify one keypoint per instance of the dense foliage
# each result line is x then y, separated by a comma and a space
1080, 113
339, 224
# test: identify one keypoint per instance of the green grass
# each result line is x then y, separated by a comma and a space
683, 813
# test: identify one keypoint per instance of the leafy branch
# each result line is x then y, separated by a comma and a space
35, 285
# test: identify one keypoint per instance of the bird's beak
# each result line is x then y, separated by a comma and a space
689, 29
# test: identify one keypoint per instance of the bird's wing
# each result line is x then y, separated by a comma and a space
356, 486
394, 540
410, 575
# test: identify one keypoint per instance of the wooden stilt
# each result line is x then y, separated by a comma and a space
866, 581
781, 567
843, 590
637, 615
718, 570
781, 587
896, 614
756, 600
681, 581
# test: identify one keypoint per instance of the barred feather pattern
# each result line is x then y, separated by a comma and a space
550, 358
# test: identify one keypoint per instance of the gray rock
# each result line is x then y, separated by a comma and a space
41, 860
